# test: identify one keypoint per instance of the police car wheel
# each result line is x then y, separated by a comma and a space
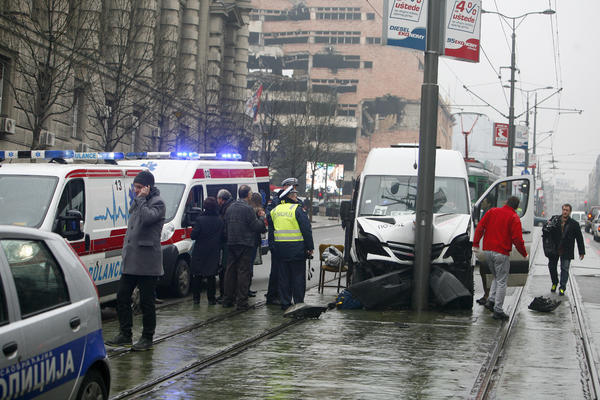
93, 387
181, 281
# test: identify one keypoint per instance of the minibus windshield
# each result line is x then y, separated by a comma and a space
25, 199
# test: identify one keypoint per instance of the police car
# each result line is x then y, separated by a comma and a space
50, 326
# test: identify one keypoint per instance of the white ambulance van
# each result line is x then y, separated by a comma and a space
87, 204
185, 180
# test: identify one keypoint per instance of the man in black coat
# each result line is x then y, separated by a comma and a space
224, 200
564, 234
241, 227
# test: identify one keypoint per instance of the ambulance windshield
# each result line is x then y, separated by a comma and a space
25, 199
171, 193
397, 195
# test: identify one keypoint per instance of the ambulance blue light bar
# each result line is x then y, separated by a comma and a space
230, 156
36, 154
172, 155
91, 155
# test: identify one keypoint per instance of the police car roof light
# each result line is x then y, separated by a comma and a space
36, 154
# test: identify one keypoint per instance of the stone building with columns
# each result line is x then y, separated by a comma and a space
123, 75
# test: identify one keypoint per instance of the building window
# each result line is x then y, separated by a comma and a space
368, 64
370, 16
3, 71
373, 40
78, 112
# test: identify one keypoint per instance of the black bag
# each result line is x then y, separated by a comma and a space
550, 247
543, 304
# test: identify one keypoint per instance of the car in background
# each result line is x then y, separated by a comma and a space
595, 228
50, 324
579, 216
539, 221
591, 215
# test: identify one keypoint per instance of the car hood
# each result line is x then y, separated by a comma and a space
402, 228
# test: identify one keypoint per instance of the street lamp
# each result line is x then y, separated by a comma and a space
511, 115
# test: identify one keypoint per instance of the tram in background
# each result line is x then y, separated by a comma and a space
480, 178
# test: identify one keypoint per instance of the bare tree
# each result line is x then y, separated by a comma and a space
323, 109
51, 36
120, 95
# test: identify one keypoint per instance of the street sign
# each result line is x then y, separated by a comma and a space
521, 137
405, 23
463, 30
500, 134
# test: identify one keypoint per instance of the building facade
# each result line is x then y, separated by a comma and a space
335, 47
123, 75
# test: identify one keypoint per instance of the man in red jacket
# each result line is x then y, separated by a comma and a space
500, 229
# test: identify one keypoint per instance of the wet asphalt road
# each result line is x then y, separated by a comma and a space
369, 354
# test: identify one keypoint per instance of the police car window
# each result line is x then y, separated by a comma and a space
25, 199
38, 278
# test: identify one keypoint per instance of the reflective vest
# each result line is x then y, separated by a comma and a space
285, 225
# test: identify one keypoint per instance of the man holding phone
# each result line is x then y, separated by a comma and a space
142, 262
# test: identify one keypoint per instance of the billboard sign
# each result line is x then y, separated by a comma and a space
405, 23
326, 176
521, 137
500, 134
463, 30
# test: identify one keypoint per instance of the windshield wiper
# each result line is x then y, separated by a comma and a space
407, 203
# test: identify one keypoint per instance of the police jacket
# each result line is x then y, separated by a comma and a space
142, 254
565, 237
291, 250
242, 224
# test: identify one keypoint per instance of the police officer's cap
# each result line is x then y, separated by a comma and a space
288, 190
289, 181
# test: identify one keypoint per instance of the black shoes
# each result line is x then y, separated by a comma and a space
196, 300
212, 302
489, 305
120, 340
227, 305
501, 316
251, 293
275, 302
143, 344
482, 301
243, 308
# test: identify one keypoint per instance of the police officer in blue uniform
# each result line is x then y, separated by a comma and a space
290, 238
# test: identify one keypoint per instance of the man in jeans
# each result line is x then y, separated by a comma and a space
142, 261
500, 228
241, 226
564, 234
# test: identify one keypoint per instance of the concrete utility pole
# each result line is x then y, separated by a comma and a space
427, 142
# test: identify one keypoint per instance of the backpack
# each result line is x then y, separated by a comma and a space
549, 245
345, 301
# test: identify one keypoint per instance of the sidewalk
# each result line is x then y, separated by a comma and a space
544, 356
320, 222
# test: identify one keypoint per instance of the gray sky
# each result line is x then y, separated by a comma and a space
559, 51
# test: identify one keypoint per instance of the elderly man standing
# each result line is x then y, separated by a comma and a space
142, 261
273, 289
241, 226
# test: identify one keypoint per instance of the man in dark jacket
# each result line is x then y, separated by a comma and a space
273, 289
224, 200
142, 261
290, 237
564, 234
241, 227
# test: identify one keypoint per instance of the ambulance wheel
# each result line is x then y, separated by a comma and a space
181, 280
93, 387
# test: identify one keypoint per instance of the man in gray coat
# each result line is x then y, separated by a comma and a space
142, 261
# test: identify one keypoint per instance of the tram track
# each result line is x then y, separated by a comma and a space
141, 390
118, 351
492, 367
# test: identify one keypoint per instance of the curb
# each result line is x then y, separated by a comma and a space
327, 226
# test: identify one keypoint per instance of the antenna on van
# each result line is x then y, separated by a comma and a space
415, 166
